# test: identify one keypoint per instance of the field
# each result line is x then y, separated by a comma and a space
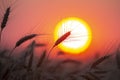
25, 67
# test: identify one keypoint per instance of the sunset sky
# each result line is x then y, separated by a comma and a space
41, 16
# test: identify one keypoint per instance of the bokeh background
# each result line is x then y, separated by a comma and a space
41, 16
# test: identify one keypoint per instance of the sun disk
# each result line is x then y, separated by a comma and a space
80, 37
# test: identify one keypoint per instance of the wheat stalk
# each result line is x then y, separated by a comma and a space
61, 39
22, 40
4, 21
30, 62
100, 60
41, 59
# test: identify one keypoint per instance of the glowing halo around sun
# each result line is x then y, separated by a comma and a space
80, 37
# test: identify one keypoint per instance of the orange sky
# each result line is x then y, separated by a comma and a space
102, 15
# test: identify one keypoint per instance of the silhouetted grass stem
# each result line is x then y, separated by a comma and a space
11, 52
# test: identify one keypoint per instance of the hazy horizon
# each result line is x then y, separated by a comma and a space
102, 16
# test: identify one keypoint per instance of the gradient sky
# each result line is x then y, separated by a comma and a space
41, 16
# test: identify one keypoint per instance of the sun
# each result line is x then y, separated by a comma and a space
80, 37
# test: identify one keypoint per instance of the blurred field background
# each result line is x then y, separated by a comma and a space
23, 55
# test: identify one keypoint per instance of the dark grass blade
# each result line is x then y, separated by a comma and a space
22, 40
26, 53
4, 21
11, 52
5, 18
30, 62
100, 60
26, 38
41, 59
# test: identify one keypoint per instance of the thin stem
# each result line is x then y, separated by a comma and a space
0, 35
49, 52
11, 51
